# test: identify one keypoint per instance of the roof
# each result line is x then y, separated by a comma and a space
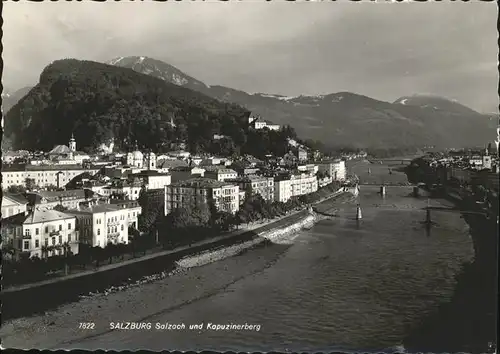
200, 183
26, 167
95, 209
171, 163
219, 169
36, 217
60, 149
146, 173
17, 198
72, 193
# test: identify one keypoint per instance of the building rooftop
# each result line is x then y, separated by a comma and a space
147, 173
171, 163
29, 167
219, 169
36, 217
200, 183
18, 198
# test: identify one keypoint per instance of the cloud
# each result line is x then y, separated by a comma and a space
381, 50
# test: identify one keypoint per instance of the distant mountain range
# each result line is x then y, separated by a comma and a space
9, 99
345, 118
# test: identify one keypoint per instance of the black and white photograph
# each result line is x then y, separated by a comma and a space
250, 176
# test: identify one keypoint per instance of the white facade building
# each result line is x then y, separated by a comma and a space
43, 175
29, 232
100, 223
296, 185
335, 169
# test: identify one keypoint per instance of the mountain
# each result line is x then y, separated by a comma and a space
9, 99
160, 70
99, 102
435, 102
344, 118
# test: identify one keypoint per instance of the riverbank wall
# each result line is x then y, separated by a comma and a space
20, 302
281, 235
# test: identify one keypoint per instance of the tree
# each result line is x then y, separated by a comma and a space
16, 189
60, 207
30, 184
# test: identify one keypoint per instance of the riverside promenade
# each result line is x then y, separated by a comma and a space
260, 226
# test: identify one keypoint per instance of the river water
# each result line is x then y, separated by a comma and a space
342, 285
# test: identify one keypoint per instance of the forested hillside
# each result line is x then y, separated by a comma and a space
98, 102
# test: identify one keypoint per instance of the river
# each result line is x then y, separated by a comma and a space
342, 285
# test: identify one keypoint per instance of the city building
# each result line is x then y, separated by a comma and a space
50, 199
102, 223
182, 173
293, 186
135, 159
42, 175
127, 189
309, 168
256, 184
258, 123
220, 173
13, 204
223, 195
32, 231
335, 169
302, 154
67, 155
153, 179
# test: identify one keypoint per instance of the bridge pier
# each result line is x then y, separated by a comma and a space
428, 219
382, 190
416, 191
359, 216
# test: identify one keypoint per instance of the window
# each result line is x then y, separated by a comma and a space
98, 232
46, 229
60, 239
27, 233
26, 245
37, 243
60, 227
37, 231
122, 227
46, 242
53, 241
69, 226
69, 238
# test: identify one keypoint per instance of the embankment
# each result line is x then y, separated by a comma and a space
53, 294
283, 235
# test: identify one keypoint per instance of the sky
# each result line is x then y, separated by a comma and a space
382, 50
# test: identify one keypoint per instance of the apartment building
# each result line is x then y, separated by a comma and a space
30, 231
302, 154
49, 199
309, 168
102, 223
130, 190
42, 175
293, 186
13, 204
182, 173
220, 173
335, 169
257, 184
224, 195
153, 179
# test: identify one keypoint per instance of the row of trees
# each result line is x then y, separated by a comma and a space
30, 269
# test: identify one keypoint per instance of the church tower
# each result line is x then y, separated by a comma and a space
72, 144
151, 161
